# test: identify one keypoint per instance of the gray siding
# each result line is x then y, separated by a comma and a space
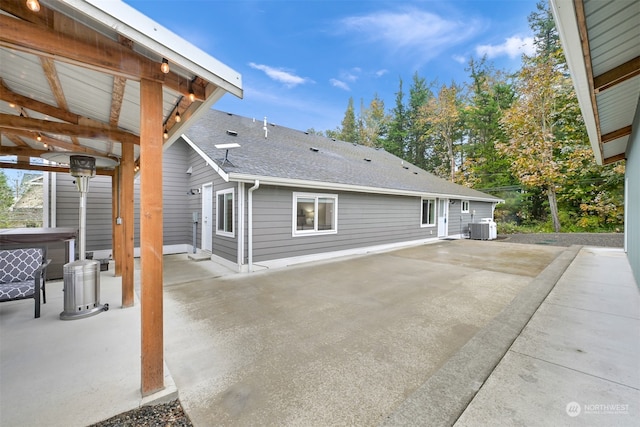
177, 221
98, 209
363, 220
459, 222
225, 247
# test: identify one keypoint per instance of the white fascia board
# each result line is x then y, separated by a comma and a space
288, 182
564, 15
141, 29
178, 129
207, 159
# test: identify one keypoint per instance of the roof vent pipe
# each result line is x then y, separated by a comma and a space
264, 127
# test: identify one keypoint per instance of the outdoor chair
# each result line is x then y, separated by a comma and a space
23, 275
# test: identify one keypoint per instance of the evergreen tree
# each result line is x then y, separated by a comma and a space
441, 117
420, 149
489, 95
398, 127
349, 130
374, 123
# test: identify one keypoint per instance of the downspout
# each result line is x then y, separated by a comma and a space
240, 259
256, 185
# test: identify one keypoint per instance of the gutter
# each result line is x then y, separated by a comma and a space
256, 185
289, 182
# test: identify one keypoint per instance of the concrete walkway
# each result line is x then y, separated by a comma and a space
577, 362
352, 341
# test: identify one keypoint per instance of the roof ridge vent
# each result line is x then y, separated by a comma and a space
232, 132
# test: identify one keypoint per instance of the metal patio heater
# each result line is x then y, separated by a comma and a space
82, 277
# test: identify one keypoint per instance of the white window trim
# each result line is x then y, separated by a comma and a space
435, 214
462, 203
233, 213
294, 222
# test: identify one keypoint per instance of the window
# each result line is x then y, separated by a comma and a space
428, 212
315, 214
465, 206
225, 212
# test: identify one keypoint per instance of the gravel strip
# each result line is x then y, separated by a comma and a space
164, 415
609, 240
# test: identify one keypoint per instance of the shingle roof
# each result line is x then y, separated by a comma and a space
289, 154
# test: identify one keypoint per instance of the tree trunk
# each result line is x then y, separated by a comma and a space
553, 206
452, 161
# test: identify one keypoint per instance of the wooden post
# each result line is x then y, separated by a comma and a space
116, 229
151, 236
127, 175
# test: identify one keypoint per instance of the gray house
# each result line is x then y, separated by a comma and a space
260, 195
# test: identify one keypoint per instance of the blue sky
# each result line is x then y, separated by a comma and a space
301, 60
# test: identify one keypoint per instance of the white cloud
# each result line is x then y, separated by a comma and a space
423, 35
280, 75
512, 47
459, 58
381, 72
339, 84
351, 75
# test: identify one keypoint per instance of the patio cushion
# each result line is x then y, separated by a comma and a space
16, 290
19, 265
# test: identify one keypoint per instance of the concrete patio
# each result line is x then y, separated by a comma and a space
399, 338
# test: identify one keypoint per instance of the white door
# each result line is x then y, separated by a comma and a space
207, 217
443, 214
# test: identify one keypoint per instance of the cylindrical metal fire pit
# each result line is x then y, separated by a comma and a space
82, 290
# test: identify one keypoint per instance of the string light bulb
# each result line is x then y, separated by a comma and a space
165, 134
33, 5
165, 66
192, 96
178, 118
39, 138
12, 105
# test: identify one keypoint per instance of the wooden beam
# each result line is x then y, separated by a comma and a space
46, 168
8, 95
117, 95
608, 137
613, 159
99, 53
151, 280
21, 151
617, 75
53, 142
19, 8
11, 121
127, 178
50, 72
17, 140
